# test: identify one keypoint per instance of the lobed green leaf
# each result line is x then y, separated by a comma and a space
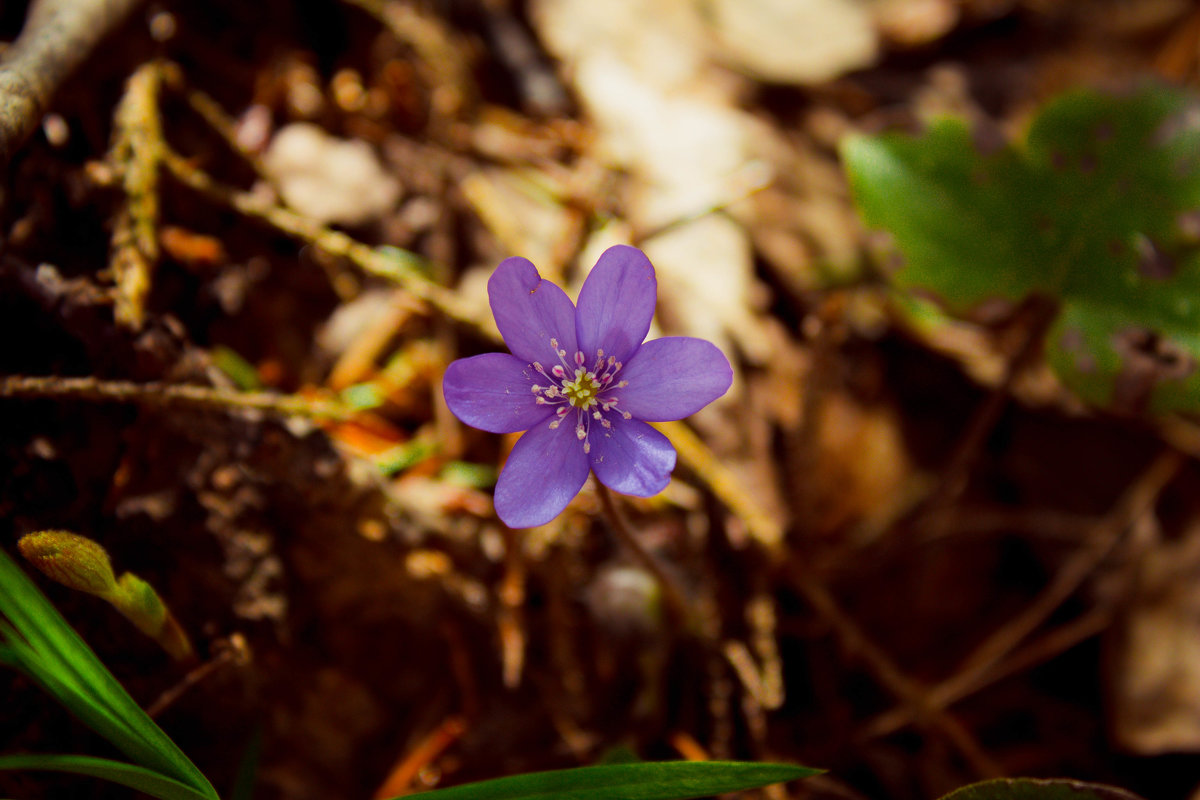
1099, 209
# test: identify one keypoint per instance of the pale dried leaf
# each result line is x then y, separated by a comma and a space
329, 179
1156, 674
794, 41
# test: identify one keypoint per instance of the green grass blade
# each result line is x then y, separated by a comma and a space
51, 653
42, 662
18, 654
57, 647
247, 773
131, 775
96, 716
670, 780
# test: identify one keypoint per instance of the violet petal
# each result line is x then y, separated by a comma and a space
672, 378
616, 303
493, 392
631, 457
544, 471
530, 311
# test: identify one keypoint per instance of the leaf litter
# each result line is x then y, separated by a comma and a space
920, 618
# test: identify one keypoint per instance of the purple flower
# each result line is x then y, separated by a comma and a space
582, 385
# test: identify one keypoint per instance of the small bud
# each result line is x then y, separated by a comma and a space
80, 563
72, 560
140, 604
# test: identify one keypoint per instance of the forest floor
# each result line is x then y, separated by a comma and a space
897, 568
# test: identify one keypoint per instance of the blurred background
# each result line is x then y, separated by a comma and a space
915, 559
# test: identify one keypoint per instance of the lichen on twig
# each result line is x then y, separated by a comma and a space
136, 154
166, 394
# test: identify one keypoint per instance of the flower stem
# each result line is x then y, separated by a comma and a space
675, 599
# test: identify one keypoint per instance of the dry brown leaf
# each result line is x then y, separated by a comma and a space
1155, 676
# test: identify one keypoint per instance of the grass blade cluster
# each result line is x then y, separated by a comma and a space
37, 641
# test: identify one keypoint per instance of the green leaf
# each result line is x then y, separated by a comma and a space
1098, 208
670, 780
135, 777
247, 771
241, 371
40, 643
621, 754
363, 396
1029, 789
474, 476
402, 456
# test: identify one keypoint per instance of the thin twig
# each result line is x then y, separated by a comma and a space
904, 688
166, 395
58, 35
762, 679
1136, 500
676, 600
230, 651
984, 664
1039, 313
960, 685
404, 773
510, 617
225, 126
336, 243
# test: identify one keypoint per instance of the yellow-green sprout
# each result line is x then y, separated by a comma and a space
80, 563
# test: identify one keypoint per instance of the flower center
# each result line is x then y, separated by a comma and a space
590, 392
581, 392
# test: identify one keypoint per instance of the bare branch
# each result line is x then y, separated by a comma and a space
58, 35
